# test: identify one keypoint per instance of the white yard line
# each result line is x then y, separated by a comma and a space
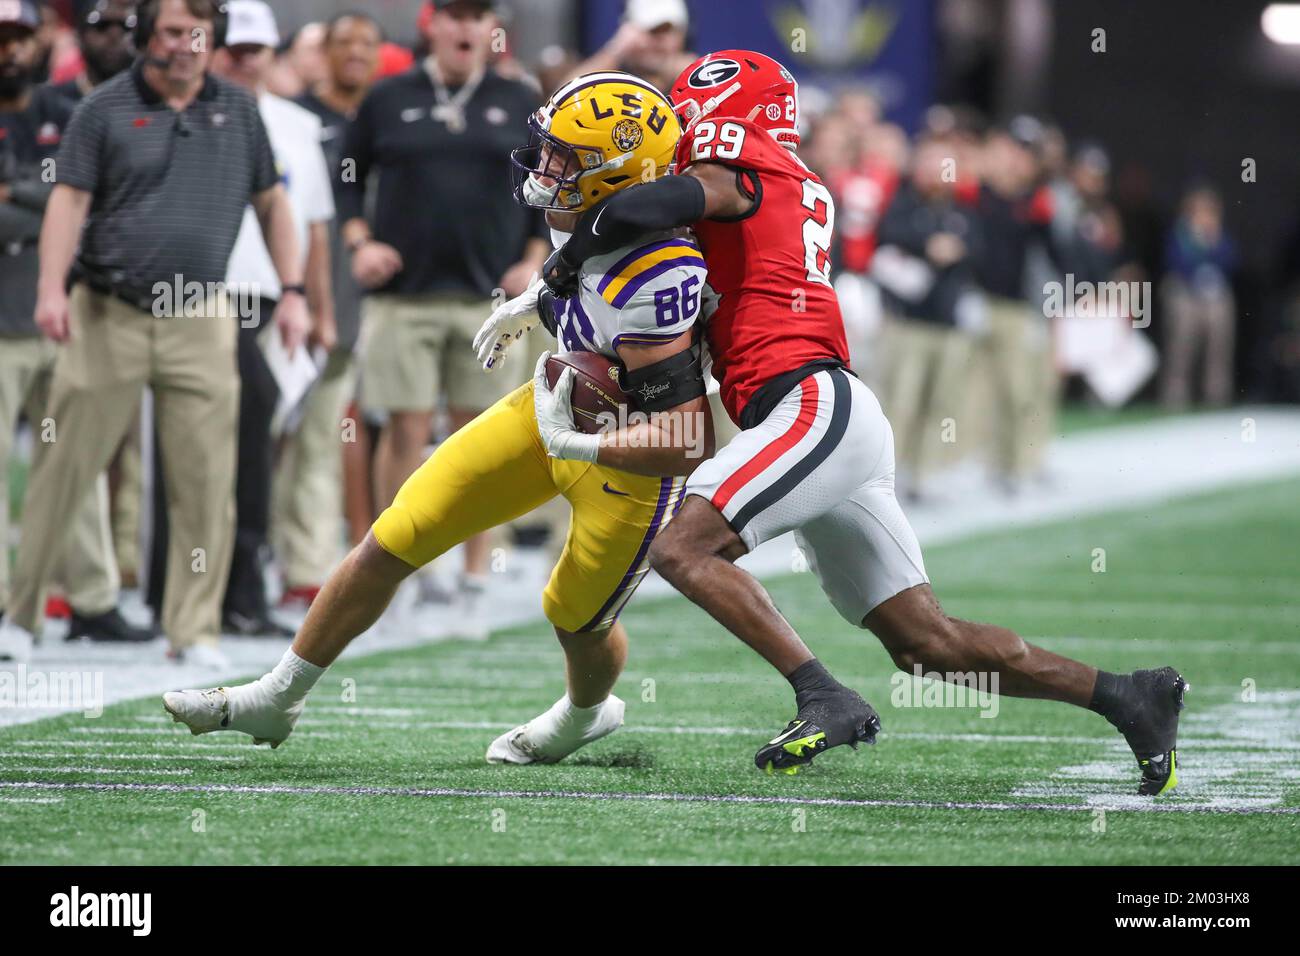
94, 755
1241, 754
1139, 805
31, 799
146, 771
1238, 755
239, 744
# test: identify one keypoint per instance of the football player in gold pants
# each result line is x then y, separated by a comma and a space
638, 308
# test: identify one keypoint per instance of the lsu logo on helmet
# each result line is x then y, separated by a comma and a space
627, 135
597, 134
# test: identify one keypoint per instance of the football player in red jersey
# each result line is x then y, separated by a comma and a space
816, 454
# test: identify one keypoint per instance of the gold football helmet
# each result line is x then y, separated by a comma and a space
597, 134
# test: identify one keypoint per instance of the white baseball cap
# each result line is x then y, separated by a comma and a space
648, 14
251, 21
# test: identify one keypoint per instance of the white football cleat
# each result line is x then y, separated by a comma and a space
512, 747
15, 643
557, 733
202, 711
248, 709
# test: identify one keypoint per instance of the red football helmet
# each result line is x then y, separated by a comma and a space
743, 84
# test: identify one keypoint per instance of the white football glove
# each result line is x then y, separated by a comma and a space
507, 325
554, 412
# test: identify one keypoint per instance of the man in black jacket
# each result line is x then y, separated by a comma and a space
104, 37
440, 136
32, 121
924, 266
1015, 212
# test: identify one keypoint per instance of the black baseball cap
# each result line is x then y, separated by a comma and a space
1026, 130
23, 13
91, 12
444, 4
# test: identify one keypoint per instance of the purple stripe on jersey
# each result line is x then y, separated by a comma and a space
636, 254
634, 285
665, 492
646, 338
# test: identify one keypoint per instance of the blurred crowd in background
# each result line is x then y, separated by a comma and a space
989, 267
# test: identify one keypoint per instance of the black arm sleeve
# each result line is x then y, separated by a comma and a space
358, 140
666, 203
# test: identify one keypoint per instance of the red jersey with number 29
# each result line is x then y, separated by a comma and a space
770, 266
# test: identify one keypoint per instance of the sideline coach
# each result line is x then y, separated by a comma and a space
158, 164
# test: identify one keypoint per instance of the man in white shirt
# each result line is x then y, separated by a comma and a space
247, 59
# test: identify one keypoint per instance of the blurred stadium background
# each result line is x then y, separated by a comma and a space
1197, 511
1183, 93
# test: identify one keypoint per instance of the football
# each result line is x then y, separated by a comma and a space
595, 388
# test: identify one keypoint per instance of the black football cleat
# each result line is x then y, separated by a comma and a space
829, 721
107, 628
1151, 726
254, 625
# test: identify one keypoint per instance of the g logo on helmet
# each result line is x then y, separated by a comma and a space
713, 73
627, 135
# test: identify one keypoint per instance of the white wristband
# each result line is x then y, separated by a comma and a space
576, 446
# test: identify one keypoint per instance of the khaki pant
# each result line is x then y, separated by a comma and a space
417, 350
307, 503
114, 351
925, 393
1198, 327
85, 570
128, 495
1016, 363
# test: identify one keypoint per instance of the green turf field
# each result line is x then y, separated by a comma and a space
1077, 417
1207, 583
